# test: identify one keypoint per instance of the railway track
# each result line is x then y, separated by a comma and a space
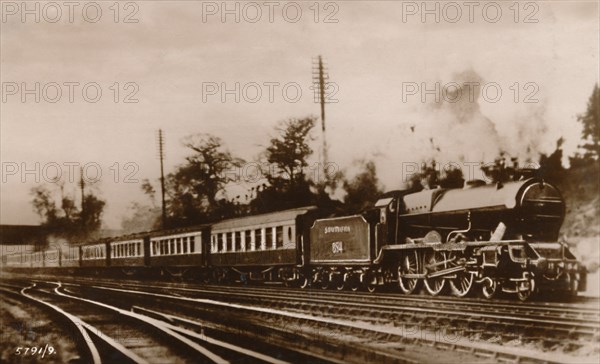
441, 322
109, 334
366, 319
568, 321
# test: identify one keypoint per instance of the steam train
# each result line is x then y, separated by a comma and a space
487, 238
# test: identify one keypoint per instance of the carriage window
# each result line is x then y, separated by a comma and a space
192, 244
221, 243
258, 238
171, 246
184, 244
290, 233
178, 245
248, 239
269, 237
279, 237
238, 241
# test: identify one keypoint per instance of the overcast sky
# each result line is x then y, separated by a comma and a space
545, 53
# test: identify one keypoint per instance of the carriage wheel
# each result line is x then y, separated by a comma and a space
489, 288
303, 282
372, 288
341, 283
463, 283
435, 286
408, 266
525, 289
324, 280
354, 283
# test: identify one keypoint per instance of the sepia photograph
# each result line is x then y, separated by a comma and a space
302, 181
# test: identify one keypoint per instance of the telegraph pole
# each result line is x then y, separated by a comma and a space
82, 185
319, 77
161, 156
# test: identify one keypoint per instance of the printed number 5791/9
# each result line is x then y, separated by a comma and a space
42, 350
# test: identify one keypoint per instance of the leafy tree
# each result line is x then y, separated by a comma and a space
363, 190
431, 176
551, 167
195, 188
289, 152
287, 157
591, 126
452, 178
68, 221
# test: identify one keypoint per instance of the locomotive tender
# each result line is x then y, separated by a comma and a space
496, 238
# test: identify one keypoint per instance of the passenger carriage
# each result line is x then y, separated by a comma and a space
94, 255
70, 256
180, 251
261, 247
127, 254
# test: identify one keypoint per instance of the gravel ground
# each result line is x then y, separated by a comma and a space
27, 326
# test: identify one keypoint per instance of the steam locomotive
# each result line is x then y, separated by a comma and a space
494, 238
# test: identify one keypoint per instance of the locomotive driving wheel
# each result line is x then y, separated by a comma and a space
436, 262
408, 265
462, 284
